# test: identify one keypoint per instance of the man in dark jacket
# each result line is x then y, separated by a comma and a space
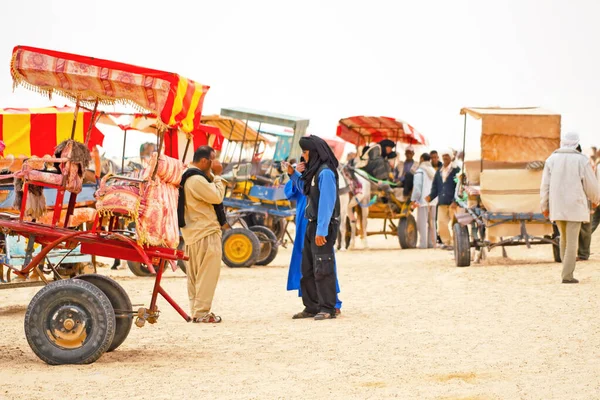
443, 188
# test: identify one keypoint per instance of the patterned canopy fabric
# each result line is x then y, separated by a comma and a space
362, 130
176, 101
36, 131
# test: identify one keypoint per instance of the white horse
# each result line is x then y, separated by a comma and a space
348, 201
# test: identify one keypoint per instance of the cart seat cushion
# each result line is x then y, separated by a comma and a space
511, 190
169, 169
157, 223
118, 199
45, 177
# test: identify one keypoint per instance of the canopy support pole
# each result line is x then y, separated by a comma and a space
243, 142
123, 157
187, 146
75, 114
253, 153
228, 141
92, 123
161, 139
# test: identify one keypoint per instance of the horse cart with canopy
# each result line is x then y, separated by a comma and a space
253, 200
77, 320
381, 198
499, 190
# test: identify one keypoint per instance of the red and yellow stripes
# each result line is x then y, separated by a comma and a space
186, 111
37, 131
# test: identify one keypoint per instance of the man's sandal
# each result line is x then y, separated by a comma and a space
324, 315
209, 318
303, 314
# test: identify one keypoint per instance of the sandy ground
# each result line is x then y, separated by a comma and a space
413, 327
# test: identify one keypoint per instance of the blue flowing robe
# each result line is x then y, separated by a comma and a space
293, 191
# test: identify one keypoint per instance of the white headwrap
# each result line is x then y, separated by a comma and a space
569, 140
447, 151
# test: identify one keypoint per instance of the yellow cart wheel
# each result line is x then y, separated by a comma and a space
241, 248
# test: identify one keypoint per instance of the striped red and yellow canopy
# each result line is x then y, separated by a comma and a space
361, 130
37, 131
176, 100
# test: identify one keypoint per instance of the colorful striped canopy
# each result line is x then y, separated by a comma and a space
37, 131
176, 100
362, 130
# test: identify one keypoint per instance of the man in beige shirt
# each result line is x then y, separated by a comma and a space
202, 231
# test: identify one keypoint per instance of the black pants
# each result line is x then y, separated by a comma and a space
585, 235
318, 271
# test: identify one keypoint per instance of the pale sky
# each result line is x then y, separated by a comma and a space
420, 61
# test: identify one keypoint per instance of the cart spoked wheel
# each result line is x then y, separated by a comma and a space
407, 232
241, 248
70, 322
268, 244
462, 246
120, 302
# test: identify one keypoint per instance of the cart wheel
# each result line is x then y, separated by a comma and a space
120, 302
139, 269
462, 246
556, 250
268, 244
278, 227
407, 232
180, 263
69, 322
241, 248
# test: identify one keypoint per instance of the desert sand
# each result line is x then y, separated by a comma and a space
413, 326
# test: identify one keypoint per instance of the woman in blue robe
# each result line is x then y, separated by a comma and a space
293, 191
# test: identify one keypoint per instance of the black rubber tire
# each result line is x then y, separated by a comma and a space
252, 256
180, 263
138, 269
100, 319
407, 232
268, 244
462, 246
556, 250
119, 299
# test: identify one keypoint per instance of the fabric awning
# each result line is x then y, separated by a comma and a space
362, 130
516, 135
176, 101
233, 129
36, 131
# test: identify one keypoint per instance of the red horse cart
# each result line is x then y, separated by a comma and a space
74, 321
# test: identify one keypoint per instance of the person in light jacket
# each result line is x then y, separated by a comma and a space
423, 178
568, 185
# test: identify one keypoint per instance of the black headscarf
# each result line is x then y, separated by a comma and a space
387, 143
319, 153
